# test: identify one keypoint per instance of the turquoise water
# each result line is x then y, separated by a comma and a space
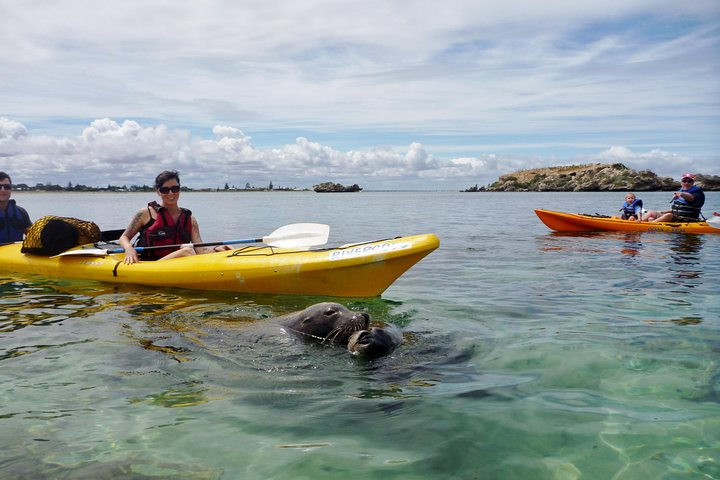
528, 354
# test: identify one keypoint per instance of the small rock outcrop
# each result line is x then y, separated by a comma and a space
597, 177
711, 183
329, 187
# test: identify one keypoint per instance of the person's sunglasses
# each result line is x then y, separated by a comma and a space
166, 190
5, 186
686, 181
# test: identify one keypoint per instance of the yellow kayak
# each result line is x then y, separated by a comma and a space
577, 222
357, 270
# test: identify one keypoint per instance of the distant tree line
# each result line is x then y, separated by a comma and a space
78, 187
251, 188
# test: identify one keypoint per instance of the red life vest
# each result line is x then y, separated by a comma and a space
162, 230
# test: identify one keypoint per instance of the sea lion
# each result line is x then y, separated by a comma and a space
375, 342
326, 322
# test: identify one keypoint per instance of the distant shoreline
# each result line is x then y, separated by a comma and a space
44, 192
152, 190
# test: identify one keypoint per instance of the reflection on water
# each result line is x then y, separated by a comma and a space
23, 304
686, 265
632, 243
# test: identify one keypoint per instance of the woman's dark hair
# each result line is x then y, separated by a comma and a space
4, 175
165, 176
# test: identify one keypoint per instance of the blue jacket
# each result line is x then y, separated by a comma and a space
14, 221
630, 209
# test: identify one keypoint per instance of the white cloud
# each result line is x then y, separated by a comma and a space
659, 161
127, 153
12, 130
379, 89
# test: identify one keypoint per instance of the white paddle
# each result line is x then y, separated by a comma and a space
296, 235
714, 221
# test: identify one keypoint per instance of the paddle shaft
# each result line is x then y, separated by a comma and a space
183, 245
110, 235
296, 235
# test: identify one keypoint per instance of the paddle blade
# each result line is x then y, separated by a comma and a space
298, 235
714, 221
82, 251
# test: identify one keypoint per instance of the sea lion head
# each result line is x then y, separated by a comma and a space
327, 322
375, 342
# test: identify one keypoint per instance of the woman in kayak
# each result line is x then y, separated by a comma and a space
686, 203
14, 220
164, 224
632, 208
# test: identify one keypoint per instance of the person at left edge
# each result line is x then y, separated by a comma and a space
14, 220
164, 224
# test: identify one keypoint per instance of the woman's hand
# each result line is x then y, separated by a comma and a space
131, 256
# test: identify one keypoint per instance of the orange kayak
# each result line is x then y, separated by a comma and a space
579, 222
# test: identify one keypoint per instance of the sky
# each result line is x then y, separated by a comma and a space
388, 94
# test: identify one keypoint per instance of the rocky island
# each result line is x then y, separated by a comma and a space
329, 187
595, 177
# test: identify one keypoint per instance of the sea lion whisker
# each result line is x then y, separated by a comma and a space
333, 334
305, 334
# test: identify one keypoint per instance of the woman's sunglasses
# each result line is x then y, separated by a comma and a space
5, 186
166, 190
